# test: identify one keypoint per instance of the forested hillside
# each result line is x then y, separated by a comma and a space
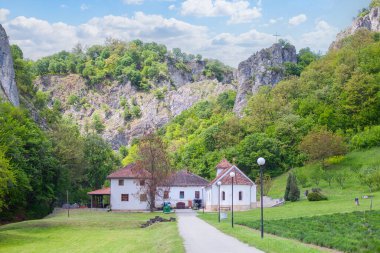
336, 97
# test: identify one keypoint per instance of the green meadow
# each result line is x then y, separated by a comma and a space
90, 231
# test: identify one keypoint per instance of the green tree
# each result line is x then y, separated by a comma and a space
99, 160
292, 192
97, 124
7, 179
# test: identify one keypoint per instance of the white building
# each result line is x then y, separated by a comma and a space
244, 189
125, 192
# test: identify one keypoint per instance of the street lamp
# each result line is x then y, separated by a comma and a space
203, 205
261, 163
232, 175
219, 183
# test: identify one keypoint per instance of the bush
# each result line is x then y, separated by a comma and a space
301, 178
370, 137
316, 196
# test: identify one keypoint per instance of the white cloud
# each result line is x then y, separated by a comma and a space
171, 7
63, 6
239, 11
320, 38
297, 20
84, 7
38, 38
275, 20
133, 1
4, 14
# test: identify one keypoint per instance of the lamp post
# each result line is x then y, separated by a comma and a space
232, 175
219, 183
261, 162
203, 205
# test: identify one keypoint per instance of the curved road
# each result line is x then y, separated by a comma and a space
201, 237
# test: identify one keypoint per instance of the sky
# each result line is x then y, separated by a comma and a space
227, 30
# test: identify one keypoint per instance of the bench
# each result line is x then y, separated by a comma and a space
225, 208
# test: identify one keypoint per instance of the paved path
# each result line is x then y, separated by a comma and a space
201, 237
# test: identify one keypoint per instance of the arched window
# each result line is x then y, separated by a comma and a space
240, 195
223, 195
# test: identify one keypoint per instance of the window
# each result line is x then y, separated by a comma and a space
197, 194
124, 197
143, 198
121, 181
240, 195
181, 194
166, 194
142, 182
223, 195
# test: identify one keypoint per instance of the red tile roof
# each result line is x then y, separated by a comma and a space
104, 191
224, 164
129, 171
186, 178
240, 177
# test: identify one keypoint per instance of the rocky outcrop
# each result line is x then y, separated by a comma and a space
263, 68
193, 71
106, 102
8, 88
371, 22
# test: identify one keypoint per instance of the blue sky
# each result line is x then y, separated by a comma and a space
228, 30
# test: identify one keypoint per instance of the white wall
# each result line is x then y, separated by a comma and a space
130, 187
249, 195
189, 195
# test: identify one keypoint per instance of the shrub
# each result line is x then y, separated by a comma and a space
73, 99
316, 175
321, 144
301, 178
316, 196
341, 178
292, 192
370, 137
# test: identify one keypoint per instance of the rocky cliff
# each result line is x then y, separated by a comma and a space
8, 88
370, 21
109, 101
263, 68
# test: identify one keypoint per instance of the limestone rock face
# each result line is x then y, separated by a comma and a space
8, 88
371, 22
105, 100
192, 72
263, 68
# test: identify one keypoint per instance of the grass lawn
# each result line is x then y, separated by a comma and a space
91, 231
339, 201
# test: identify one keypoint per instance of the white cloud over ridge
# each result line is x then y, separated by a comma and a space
321, 37
38, 38
4, 14
297, 20
238, 11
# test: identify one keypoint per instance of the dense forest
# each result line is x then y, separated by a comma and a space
335, 98
145, 65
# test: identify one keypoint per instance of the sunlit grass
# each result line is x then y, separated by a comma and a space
91, 231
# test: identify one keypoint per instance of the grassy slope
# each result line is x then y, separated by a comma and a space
340, 200
90, 231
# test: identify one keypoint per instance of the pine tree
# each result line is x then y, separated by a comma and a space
292, 192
